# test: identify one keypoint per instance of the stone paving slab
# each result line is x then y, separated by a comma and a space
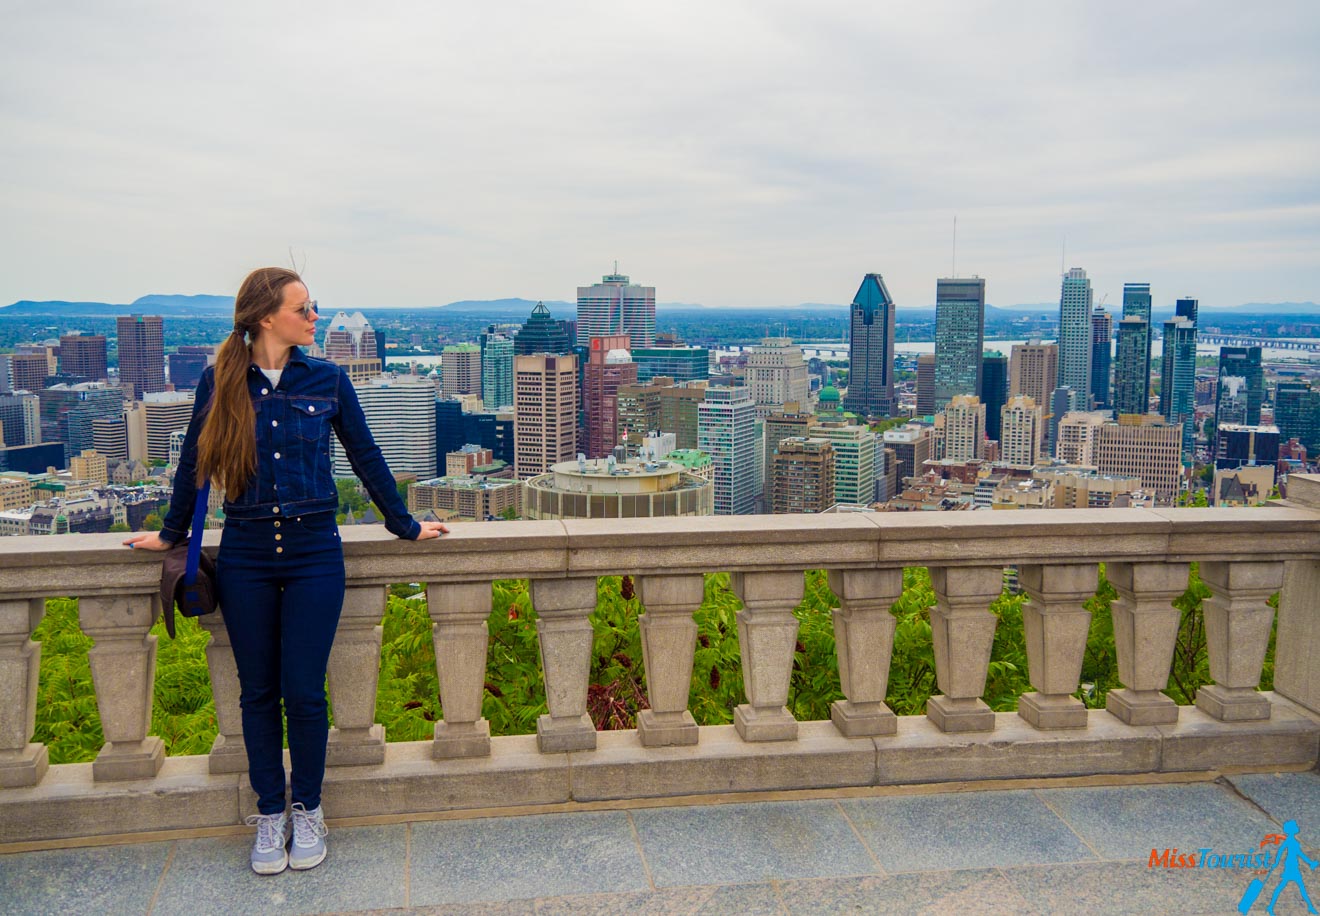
969, 891
963, 830
106, 879
746, 843
1287, 795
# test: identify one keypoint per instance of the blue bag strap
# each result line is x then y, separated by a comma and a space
195, 538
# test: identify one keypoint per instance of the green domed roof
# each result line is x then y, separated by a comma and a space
829, 393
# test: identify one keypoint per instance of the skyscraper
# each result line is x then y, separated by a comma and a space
726, 430
926, 384
959, 337
1033, 371
460, 370
1132, 373
1075, 336
1186, 308
802, 476
609, 367
616, 306
23, 372
350, 337
1297, 413
1102, 335
67, 413
164, 412
83, 355
964, 428
141, 354
1178, 378
496, 371
187, 364
542, 333
400, 413
777, 375
20, 419
545, 402
994, 390
1145, 447
1241, 386
1019, 444
871, 350
855, 460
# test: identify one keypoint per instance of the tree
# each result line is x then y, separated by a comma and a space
118, 527
509, 514
152, 522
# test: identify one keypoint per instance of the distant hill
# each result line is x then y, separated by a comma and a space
176, 305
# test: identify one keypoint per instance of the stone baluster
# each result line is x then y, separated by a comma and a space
123, 663
353, 673
1145, 633
461, 640
563, 631
669, 640
1237, 633
22, 763
963, 632
767, 636
228, 755
864, 645
1056, 624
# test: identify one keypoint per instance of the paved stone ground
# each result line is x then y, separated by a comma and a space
1049, 850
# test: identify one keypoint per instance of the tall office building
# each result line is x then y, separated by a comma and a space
802, 476
616, 305
871, 350
1132, 372
1186, 308
400, 413
785, 424
164, 412
855, 460
83, 356
777, 375
1132, 367
141, 354
926, 385
994, 390
1061, 403
496, 371
1033, 371
1241, 386
545, 403
1297, 414
1075, 336
350, 337
1178, 378
23, 372
68, 411
187, 364
20, 419
1102, 348
964, 428
912, 445
726, 430
959, 337
1021, 422
460, 370
543, 333
1077, 435
1145, 447
609, 367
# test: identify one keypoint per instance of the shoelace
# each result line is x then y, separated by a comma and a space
270, 832
307, 825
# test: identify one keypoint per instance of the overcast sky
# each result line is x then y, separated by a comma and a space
727, 153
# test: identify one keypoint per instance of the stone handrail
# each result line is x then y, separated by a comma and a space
1245, 555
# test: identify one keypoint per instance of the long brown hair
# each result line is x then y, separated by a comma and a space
227, 446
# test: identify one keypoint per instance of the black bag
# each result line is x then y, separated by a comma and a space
187, 576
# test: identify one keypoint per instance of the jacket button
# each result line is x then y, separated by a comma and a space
277, 455
265, 391
276, 510
277, 523
279, 550
311, 408
279, 537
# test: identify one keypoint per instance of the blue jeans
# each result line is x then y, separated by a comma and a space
281, 588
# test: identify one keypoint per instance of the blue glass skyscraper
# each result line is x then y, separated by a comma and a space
871, 350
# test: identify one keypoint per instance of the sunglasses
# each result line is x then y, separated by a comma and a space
308, 309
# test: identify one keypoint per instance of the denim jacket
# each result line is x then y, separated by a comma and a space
294, 419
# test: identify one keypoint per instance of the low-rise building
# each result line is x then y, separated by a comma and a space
605, 488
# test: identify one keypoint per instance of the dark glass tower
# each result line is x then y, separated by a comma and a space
1102, 335
1241, 386
542, 333
1132, 370
994, 390
959, 337
871, 350
1178, 377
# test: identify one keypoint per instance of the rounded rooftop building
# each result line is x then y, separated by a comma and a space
603, 488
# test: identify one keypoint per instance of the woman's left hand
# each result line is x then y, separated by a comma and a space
431, 530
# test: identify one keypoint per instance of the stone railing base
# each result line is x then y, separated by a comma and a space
69, 804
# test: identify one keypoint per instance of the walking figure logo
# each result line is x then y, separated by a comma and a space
1291, 854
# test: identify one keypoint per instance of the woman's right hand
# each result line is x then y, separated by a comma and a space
149, 540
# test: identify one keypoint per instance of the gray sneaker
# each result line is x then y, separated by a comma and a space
269, 856
309, 830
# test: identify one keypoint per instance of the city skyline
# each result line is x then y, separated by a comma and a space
760, 155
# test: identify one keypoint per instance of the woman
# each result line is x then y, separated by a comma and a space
261, 430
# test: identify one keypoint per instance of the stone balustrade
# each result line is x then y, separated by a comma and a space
1245, 555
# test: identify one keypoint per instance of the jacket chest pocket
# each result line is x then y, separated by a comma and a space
310, 417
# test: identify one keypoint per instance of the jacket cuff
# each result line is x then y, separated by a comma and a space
170, 536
